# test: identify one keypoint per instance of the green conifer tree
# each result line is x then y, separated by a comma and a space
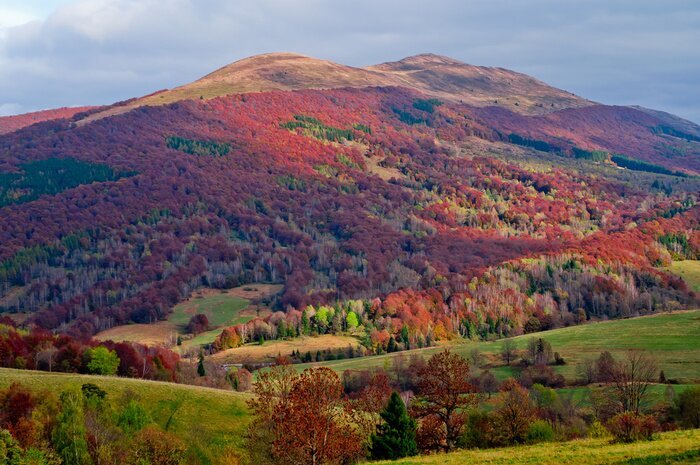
396, 436
200, 366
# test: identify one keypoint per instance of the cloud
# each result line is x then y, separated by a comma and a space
99, 51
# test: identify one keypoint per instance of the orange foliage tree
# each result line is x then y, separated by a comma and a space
444, 396
307, 416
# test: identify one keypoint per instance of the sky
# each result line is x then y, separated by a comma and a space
57, 53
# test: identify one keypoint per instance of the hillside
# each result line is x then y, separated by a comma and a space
678, 447
208, 420
670, 338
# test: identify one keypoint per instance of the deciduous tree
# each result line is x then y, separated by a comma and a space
445, 394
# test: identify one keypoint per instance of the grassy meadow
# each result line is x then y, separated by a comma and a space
222, 308
672, 338
689, 270
677, 447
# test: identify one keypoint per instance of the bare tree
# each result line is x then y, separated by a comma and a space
632, 378
587, 371
476, 358
508, 351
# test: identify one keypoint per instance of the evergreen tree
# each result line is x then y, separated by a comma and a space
396, 436
69, 436
305, 327
200, 366
404, 337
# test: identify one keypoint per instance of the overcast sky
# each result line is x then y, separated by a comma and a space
78, 52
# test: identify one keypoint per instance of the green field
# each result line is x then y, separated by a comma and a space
221, 309
677, 447
208, 420
672, 338
689, 270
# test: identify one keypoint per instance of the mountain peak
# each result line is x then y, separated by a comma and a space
428, 59
433, 75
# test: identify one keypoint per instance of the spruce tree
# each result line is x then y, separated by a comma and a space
396, 436
200, 366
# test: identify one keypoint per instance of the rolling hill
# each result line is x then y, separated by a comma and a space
209, 421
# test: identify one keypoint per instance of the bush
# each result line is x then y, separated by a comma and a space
159, 448
689, 407
598, 431
629, 427
479, 432
540, 431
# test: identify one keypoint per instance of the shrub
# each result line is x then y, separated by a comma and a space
479, 432
540, 431
198, 324
630, 427
688, 403
597, 431
156, 447
133, 418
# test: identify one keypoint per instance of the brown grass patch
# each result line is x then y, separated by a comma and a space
253, 353
161, 333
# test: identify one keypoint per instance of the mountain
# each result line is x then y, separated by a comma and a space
398, 184
433, 75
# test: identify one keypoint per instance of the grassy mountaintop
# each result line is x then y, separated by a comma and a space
433, 75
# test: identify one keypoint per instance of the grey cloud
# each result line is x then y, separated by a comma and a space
99, 51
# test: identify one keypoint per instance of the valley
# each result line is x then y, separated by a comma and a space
289, 249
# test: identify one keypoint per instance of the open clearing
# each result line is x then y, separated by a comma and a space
255, 353
672, 338
689, 270
222, 308
208, 420
677, 447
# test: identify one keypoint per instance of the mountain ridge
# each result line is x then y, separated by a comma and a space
433, 75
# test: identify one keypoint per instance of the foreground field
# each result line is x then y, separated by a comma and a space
678, 447
672, 338
689, 270
208, 420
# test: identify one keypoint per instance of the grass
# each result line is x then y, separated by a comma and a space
689, 270
222, 308
208, 420
255, 353
677, 447
672, 338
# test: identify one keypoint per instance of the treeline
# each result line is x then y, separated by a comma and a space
641, 165
509, 300
38, 349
